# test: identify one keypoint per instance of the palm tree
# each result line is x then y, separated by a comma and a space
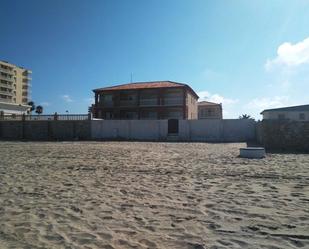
39, 109
245, 116
31, 103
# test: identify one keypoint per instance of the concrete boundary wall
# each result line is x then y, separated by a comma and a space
129, 129
229, 130
217, 130
148, 130
45, 130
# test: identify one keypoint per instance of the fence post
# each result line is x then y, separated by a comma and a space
23, 129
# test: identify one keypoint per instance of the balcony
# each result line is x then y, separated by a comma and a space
173, 101
7, 93
124, 103
26, 76
7, 71
148, 102
26, 85
25, 93
8, 86
6, 100
7, 77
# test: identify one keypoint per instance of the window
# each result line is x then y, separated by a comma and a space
302, 116
281, 116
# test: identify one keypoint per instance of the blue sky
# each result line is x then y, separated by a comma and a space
249, 55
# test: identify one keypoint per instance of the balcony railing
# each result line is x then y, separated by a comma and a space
6, 93
7, 77
9, 86
6, 100
148, 102
127, 103
173, 101
106, 104
8, 71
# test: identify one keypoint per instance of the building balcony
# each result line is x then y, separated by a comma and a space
26, 84
173, 101
6, 100
8, 71
8, 86
106, 104
7, 78
7, 93
124, 103
148, 102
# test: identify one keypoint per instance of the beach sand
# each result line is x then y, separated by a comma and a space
150, 195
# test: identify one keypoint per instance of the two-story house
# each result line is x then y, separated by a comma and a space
146, 100
209, 110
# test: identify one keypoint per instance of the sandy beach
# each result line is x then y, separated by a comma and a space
150, 195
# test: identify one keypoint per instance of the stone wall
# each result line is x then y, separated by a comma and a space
45, 130
284, 135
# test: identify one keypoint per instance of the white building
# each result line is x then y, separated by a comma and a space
298, 113
10, 108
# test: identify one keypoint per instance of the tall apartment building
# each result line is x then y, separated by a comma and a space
146, 100
14, 86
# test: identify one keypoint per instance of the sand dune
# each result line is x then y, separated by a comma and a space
150, 195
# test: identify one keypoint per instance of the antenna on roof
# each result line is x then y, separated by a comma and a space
131, 77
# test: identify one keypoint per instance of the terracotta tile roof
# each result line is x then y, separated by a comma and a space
206, 103
145, 85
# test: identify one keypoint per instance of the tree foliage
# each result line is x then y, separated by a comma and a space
245, 116
39, 109
31, 103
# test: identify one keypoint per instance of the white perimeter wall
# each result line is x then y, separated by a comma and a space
210, 130
217, 130
129, 129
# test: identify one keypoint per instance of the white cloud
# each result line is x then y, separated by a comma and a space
290, 55
90, 101
266, 103
67, 98
45, 104
216, 98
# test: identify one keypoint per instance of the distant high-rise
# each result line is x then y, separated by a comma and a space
14, 84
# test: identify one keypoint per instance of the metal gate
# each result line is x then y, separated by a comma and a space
173, 126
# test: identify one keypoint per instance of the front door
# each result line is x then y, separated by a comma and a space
173, 126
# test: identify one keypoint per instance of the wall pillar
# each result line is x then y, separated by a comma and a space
184, 105
138, 104
96, 98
